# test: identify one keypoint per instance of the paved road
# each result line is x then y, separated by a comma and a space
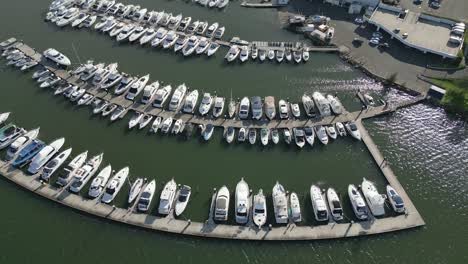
457, 9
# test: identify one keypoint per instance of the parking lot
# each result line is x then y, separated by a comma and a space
456, 9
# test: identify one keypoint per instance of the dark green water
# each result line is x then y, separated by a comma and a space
427, 150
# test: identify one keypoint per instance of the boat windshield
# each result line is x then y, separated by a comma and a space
242, 214
322, 214
353, 126
259, 211
110, 190
337, 211
182, 198
361, 209
398, 200
145, 195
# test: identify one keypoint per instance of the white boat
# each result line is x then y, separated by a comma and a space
104, 22
114, 185
202, 26
353, 130
184, 23
357, 202
191, 45
135, 120
323, 105
89, 71
296, 215
156, 123
110, 108
264, 136
148, 36
80, 19
259, 209
218, 106
369, 100
37, 75
270, 108
308, 105
322, 134
283, 109
145, 121
244, 53
242, 205
244, 108
126, 32
288, 55
110, 24
139, 31
117, 112
117, 29
180, 43
174, 21
287, 136
335, 104
57, 57
212, 48
271, 54
232, 108
274, 135
331, 131
318, 203
257, 107
232, 53
77, 94
20, 143
190, 102
146, 196
213, 3
124, 84
212, 29
297, 55
299, 137
205, 104
45, 155
66, 175
54, 164
183, 199
334, 203
178, 126
177, 97
395, 200
4, 117
340, 128
305, 55
166, 125
161, 34
279, 55
280, 204
99, 183
149, 92
203, 45
166, 201
88, 22
375, 200
221, 210
69, 16
112, 79
252, 135
82, 175
85, 99
242, 135
222, 3
229, 134
219, 32
137, 87
295, 110
135, 190
170, 39
208, 132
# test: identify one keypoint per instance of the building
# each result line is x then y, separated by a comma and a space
354, 6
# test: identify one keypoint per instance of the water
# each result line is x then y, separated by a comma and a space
426, 148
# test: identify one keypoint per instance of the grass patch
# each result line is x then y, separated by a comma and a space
456, 95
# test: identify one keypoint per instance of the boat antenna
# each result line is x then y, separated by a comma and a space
76, 53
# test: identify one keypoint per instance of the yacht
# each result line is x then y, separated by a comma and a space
395, 200
274, 135
357, 202
242, 135
323, 105
145, 121
322, 134
28, 153
297, 55
156, 124
135, 119
252, 135
178, 127
244, 108
54, 164
353, 130
4, 117
219, 33
82, 16
212, 29
51, 81
139, 31
139, 14
232, 108
202, 46
117, 29
20, 143
218, 106
88, 22
280, 55
114, 185
259, 209
190, 102
77, 94
202, 27
149, 92
174, 22
244, 53
309, 106
264, 136
82, 175
242, 205
257, 107
69, 16
99, 183
283, 109
335, 104
10, 133
126, 32
221, 210
137, 87
112, 79
305, 55
105, 21
182, 199
146, 196
229, 134
161, 96
36, 75
334, 203
45, 155
184, 23
177, 97
280, 204
147, 36
288, 55
180, 43
102, 74
205, 104
110, 24
295, 110
161, 34
170, 39
166, 125
109, 109
208, 132
369, 100
212, 48
331, 131
296, 215
166, 200
232, 53
85, 99
66, 174
117, 113
254, 52
124, 84
318, 203
270, 109
222, 4
287, 136
213, 3
299, 137
89, 71
57, 57
375, 200
135, 190
192, 44
271, 54
340, 128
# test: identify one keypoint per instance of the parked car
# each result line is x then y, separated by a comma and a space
377, 35
359, 20
435, 4
374, 41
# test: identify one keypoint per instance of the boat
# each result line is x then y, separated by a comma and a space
205, 104
82, 175
242, 203
80, 19
270, 109
52, 80
334, 203
218, 106
299, 137
375, 200
161, 34
54, 164
244, 53
287, 136
202, 27
77, 94
395, 200
322, 134
28, 153
89, 71
274, 135
139, 31
124, 84
118, 112
309, 106
7, 43
166, 201
10, 133
104, 22
112, 79
109, 25
257, 107
340, 128
212, 29
149, 92
323, 105
270, 54
99, 182
232, 53
126, 32
319, 204
208, 132
135, 190
117, 29
182, 199
353, 130
296, 215
283, 109
244, 108
259, 209
252, 135
41, 72
331, 131
191, 45
70, 15
45, 155
145, 121
229, 134
295, 110
190, 102
232, 108
279, 55
369, 100
264, 136
170, 39
178, 126
20, 143
85, 99
221, 210
177, 97
137, 87
147, 36
174, 22
288, 55
335, 104
135, 120
88, 22
212, 3
218, 34
297, 55
166, 125
254, 52
114, 185
203, 45
66, 174
280, 204
184, 23
242, 135
4, 117
156, 123
357, 202
180, 43
305, 55
146, 196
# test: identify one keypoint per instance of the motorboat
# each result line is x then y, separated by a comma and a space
118, 112
135, 190
112, 79
180, 43
323, 105
288, 55
232, 53
334, 203
170, 39
99, 182
257, 107
283, 109
218, 34
10, 133
146, 197
109, 109
357, 202
166, 200
28, 153
202, 27
65, 88
232, 108
161, 96
109, 25
331, 131
229, 134
242, 204
117, 29
202, 45
40, 73
297, 56
369, 100
147, 36
66, 174
280, 204
7, 43
299, 137
222, 4
353, 130
287, 136
395, 200
145, 121
45, 155
177, 97
322, 134
254, 52
149, 92
89, 71
156, 124
69, 16
49, 82
244, 53
270, 108
114, 185
88, 22
340, 128
139, 31
208, 132
244, 108
279, 55
295, 110
85, 99
57, 57
375, 200
274, 136
259, 209
335, 104
212, 29
213, 3
184, 23
191, 45
137, 87
178, 126
271, 54
174, 22
82, 175
205, 104
192, 27
305, 55
161, 34
318, 203
124, 84
77, 94
296, 215
135, 120
182, 199
166, 125
190, 102
264, 136
242, 135
20, 143
139, 14
105, 21
218, 106
4, 117
252, 136
78, 70
126, 32
221, 210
